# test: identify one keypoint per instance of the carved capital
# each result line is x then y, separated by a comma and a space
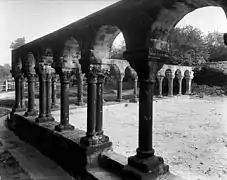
29, 65
98, 72
65, 75
16, 70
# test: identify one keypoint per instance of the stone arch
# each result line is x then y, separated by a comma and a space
115, 71
104, 40
130, 73
172, 13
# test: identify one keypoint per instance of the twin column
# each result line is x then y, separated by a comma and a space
94, 133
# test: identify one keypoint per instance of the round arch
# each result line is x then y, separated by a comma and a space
169, 17
104, 40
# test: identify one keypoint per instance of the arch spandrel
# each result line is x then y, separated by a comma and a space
104, 39
169, 15
70, 55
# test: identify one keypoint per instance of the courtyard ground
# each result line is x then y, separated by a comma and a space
189, 133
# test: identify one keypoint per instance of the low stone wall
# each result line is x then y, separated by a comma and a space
62, 147
220, 65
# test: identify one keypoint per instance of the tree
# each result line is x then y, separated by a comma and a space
117, 51
5, 71
17, 43
187, 46
217, 48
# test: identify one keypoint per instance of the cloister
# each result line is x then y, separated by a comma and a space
83, 49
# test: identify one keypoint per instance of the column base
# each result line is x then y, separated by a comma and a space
80, 103
95, 143
159, 96
118, 100
64, 127
179, 94
18, 109
31, 113
54, 106
133, 100
41, 119
187, 93
11, 122
171, 95
144, 168
49, 118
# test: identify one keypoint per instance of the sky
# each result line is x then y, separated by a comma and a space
35, 18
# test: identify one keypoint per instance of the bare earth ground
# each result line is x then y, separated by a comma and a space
189, 133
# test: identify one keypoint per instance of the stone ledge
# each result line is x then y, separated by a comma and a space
62, 147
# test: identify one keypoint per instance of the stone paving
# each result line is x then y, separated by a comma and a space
189, 133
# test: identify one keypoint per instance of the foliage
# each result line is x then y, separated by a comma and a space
117, 51
17, 43
217, 48
4, 71
189, 46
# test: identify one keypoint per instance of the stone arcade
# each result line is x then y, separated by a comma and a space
83, 49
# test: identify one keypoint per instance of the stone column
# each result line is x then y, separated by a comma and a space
91, 109
160, 80
80, 96
41, 71
180, 85
31, 95
54, 94
170, 84
65, 74
17, 104
145, 165
119, 89
29, 71
22, 93
135, 91
99, 105
18, 76
188, 85
49, 117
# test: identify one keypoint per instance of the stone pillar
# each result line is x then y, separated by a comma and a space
170, 84
6, 85
65, 74
22, 93
188, 85
49, 117
119, 89
180, 85
31, 95
80, 96
54, 94
99, 110
29, 71
145, 165
160, 80
18, 77
95, 139
17, 104
135, 91
91, 109
41, 71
